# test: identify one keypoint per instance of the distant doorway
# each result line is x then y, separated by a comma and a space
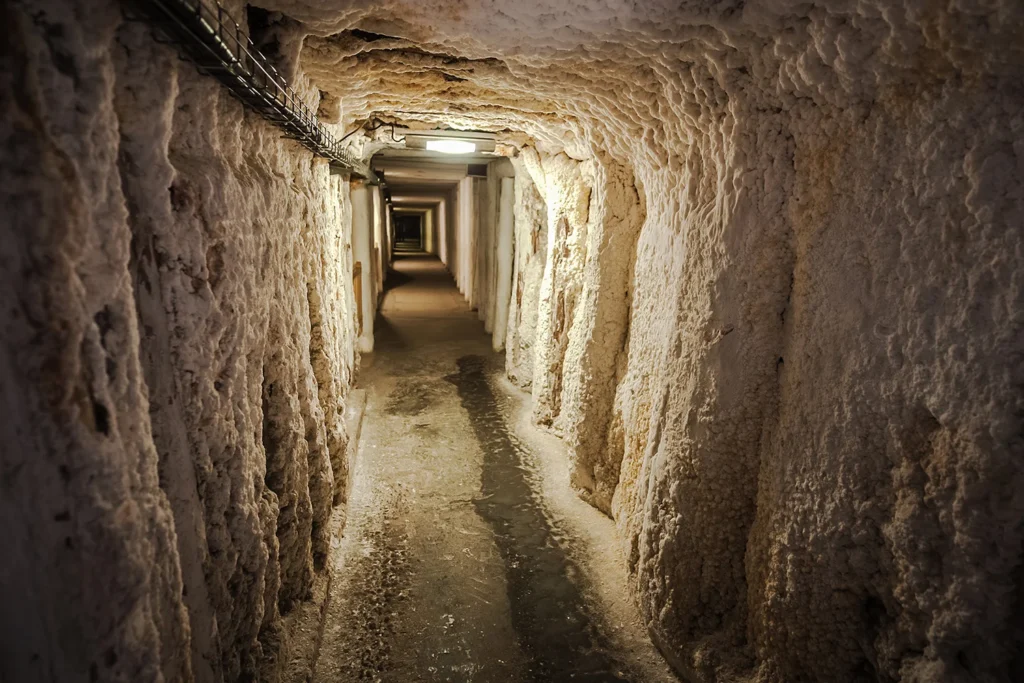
408, 233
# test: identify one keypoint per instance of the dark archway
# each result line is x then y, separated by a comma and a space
409, 233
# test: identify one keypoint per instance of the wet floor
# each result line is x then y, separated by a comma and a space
453, 565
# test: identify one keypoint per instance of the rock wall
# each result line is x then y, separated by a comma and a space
504, 241
567, 192
779, 314
179, 344
530, 245
595, 358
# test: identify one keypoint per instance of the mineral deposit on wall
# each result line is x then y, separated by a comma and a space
178, 348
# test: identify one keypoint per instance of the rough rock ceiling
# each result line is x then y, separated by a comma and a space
604, 75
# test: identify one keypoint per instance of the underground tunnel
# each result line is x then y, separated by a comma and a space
460, 340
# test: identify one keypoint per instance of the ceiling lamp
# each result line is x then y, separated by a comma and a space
451, 146
448, 141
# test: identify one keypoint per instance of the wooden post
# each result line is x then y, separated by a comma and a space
357, 289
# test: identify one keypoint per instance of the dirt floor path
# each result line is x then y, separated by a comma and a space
465, 555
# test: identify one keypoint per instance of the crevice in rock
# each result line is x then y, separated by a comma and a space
367, 36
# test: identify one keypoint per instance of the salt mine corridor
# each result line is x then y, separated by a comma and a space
474, 341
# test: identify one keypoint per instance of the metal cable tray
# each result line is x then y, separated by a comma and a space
212, 40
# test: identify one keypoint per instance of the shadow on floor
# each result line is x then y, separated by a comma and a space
549, 613
396, 278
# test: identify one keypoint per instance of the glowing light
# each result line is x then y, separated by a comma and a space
451, 146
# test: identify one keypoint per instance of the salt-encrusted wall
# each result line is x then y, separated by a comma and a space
565, 185
595, 358
178, 346
807, 421
90, 578
530, 248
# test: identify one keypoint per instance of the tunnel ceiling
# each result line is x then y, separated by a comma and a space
418, 171
576, 78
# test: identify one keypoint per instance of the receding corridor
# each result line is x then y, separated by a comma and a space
540, 341
459, 562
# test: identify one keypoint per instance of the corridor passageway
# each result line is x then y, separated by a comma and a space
533, 341
454, 565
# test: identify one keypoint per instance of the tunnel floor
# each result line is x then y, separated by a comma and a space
465, 557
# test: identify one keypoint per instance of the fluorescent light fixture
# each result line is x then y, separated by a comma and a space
448, 141
451, 146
